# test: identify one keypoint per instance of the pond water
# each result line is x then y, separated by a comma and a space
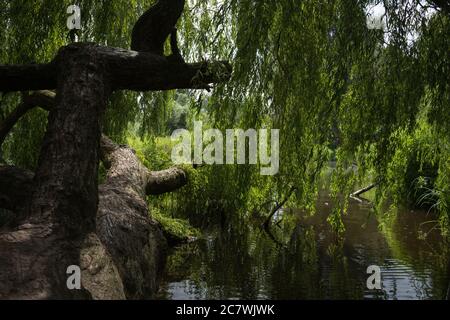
304, 259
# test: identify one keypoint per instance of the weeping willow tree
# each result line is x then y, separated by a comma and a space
372, 98
375, 99
62, 219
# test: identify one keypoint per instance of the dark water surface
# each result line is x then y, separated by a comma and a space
303, 259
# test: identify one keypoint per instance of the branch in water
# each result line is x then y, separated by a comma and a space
357, 194
278, 207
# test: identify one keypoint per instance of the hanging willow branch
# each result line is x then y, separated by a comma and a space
278, 207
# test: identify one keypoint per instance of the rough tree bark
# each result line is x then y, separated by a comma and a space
123, 221
124, 226
63, 218
125, 70
58, 219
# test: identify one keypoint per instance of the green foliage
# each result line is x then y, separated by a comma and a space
417, 169
23, 146
313, 69
177, 230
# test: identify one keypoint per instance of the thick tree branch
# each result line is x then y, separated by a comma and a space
124, 168
363, 190
443, 5
357, 194
127, 70
27, 77
43, 99
165, 181
140, 71
154, 26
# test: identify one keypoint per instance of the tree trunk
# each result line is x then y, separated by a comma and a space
59, 219
131, 237
124, 225
62, 218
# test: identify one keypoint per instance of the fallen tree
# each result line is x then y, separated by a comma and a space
63, 217
124, 226
357, 194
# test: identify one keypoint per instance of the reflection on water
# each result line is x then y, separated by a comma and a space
304, 260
